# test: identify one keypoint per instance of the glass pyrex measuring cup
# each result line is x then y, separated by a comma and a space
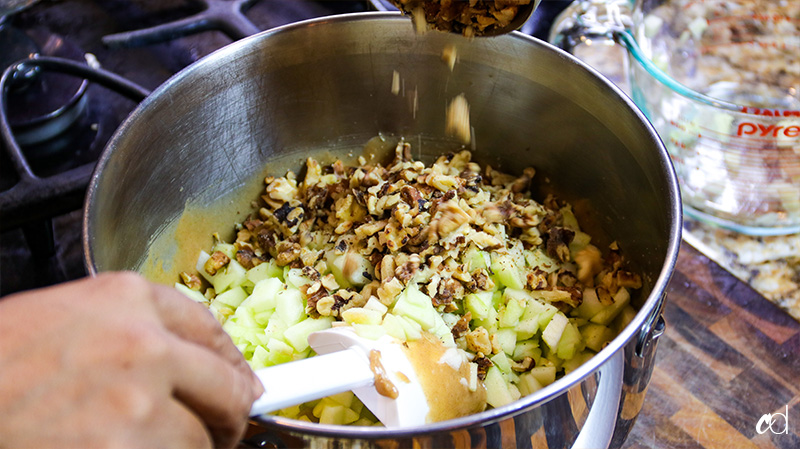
720, 81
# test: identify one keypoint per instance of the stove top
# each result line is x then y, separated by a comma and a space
63, 122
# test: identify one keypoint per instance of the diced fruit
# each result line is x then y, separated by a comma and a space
369, 331
497, 394
527, 348
295, 277
361, 315
394, 326
555, 328
476, 258
507, 339
528, 384
576, 361
545, 375
608, 313
226, 248
541, 311
489, 323
374, 303
538, 259
412, 328
231, 298
568, 219
596, 336
578, 243
622, 320
570, 342
297, 335
506, 271
501, 361
473, 376
263, 297
527, 328
232, 275
513, 390
417, 306
289, 305
344, 399
349, 269
590, 305
264, 271
442, 331
192, 294
511, 314
478, 304
337, 414
551, 296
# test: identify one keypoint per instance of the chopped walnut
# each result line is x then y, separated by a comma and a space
247, 258
590, 263
524, 365
470, 18
558, 243
462, 326
191, 280
628, 279
217, 260
478, 341
388, 291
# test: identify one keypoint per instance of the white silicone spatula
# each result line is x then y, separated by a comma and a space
343, 364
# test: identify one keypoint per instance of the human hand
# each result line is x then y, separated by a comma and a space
118, 361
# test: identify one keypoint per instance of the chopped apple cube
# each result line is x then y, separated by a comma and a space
555, 328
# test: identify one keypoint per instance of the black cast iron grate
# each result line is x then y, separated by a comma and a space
34, 198
223, 15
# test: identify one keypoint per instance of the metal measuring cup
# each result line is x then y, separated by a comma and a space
720, 81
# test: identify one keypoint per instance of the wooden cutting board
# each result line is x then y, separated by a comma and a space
727, 358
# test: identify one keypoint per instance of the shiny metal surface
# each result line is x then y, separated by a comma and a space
326, 84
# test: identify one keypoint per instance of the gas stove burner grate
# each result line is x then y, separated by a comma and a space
223, 15
34, 197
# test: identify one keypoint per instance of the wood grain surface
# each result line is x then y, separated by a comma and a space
728, 357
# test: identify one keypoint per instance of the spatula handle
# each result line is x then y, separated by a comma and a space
312, 378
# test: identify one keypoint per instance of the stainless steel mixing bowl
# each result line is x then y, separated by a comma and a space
325, 84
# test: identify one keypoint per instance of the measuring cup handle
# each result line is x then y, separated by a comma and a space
590, 20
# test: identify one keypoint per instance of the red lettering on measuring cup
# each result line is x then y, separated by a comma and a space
746, 128
750, 129
770, 112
